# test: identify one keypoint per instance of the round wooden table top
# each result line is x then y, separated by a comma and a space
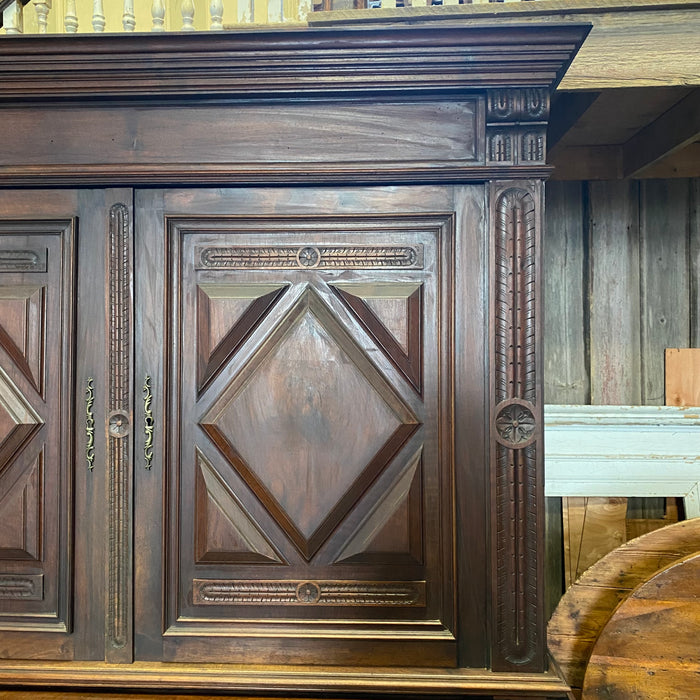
650, 647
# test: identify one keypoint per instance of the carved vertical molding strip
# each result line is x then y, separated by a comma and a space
119, 428
516, 428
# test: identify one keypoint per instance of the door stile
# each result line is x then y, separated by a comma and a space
516, 426
119, 430
150, 492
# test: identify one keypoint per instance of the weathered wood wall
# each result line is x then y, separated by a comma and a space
622, 268
622, 283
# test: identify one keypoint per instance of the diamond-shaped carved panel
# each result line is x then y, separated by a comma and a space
18, 421
309, 423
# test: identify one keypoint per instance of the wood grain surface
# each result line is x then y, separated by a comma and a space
649, 647
587, 606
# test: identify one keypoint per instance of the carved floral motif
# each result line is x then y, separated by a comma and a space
346, 593
515, 425
301, 257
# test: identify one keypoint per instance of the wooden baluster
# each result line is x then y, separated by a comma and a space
42, 8
304, 9
187, 10
70, 21
128, 18
275, 12
98, 16
158, 14
216, 12
245, 11
13, 18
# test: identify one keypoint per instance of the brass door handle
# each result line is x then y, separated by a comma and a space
148, 423
89, 424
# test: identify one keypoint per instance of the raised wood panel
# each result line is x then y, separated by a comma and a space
254, 138
36, 374
392, 531
318, 476
226, 316
224, 532
20, 511
18, 420
22, 311
331, 425
392, 314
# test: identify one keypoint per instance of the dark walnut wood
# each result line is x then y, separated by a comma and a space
295, 431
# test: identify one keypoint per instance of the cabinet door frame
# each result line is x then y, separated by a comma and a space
77, 531
465, 232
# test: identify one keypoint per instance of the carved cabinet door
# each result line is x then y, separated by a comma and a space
297, 493
51, 378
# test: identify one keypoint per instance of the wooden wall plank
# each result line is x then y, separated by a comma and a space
637, 294
614, 293
565, 357
694, 247
615, 352
565, 354
665, 282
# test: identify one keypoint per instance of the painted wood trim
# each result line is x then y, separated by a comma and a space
623, 451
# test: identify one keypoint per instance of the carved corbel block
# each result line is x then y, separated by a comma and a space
516, 126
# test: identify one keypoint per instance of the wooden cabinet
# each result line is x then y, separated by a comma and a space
269, 354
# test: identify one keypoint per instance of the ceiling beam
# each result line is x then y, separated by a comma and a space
586, 162
567, 109
672, 131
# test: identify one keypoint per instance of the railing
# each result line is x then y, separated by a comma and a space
71, 16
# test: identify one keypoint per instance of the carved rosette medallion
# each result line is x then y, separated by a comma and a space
308, 592
516, 126
118, 422
515, 424
515, 430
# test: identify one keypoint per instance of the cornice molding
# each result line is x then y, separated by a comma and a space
283, 64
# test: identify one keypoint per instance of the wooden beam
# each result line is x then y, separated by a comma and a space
643, 43
586, 163
672, 131
605, 163
683, 163
567, 109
